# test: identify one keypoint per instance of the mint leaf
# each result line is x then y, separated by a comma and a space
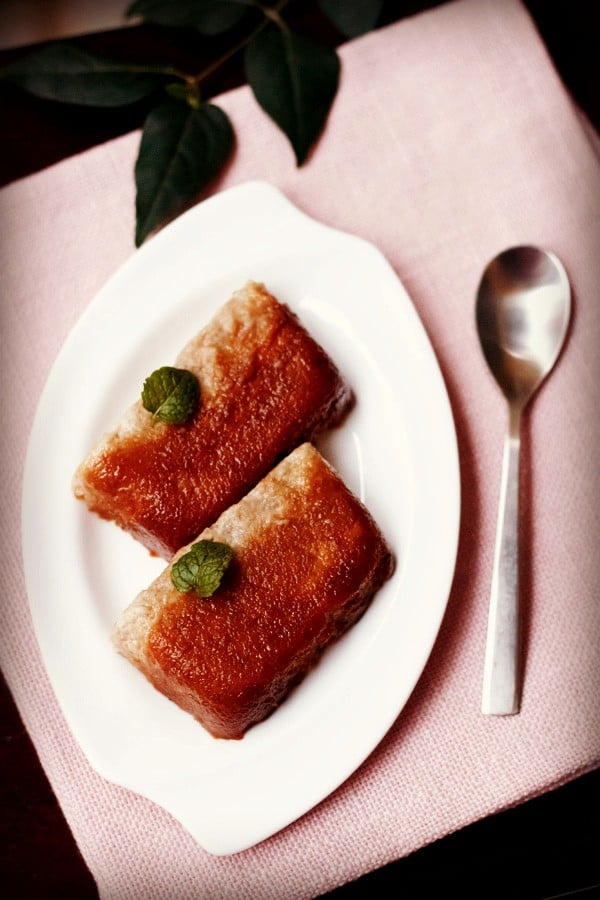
172, 395
68, 74
184, 572
295, 82
181, 151
201, 569
206, 16
353, 18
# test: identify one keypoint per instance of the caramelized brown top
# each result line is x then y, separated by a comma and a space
259, 399
305, 549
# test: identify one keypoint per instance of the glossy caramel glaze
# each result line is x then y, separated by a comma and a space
308, 558
265, 387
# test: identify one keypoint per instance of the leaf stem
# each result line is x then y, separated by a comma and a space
271, 14
148, 70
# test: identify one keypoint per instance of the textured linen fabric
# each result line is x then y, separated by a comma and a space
451, 139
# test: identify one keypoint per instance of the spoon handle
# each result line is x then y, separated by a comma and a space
501, 670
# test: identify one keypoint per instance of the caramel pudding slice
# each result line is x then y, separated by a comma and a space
308, 558
265, 387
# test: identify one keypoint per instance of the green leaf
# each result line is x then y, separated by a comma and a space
352, 18
68, 74
206, 16
201, 569
172, 395
181, 151
295, 82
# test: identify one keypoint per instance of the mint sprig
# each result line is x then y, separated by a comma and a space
171, 395
201, 569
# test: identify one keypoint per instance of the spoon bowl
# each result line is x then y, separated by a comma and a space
522, 313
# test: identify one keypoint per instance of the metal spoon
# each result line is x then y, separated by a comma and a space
522, 312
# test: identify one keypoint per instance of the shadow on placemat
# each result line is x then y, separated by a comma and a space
541, 850
38, 856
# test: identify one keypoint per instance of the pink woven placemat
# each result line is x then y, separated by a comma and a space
451, 139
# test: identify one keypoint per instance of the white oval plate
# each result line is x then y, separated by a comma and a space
396, 450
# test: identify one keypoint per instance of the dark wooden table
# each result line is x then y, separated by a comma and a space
541, 849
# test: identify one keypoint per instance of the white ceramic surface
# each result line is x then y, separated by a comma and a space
396, 450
